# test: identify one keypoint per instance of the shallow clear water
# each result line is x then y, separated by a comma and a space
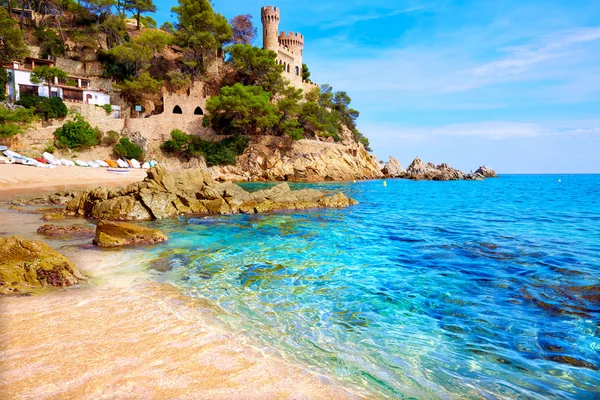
425, 289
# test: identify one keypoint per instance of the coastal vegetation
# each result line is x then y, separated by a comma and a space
215, 153
248, 96
77, 134
125, 148
44, 107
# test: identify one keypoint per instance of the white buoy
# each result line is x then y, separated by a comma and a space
384, 183
353, 181
559, 181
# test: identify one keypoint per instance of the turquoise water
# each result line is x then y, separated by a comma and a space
425, 289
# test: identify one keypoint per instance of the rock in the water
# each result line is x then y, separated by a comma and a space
418, 170
486, 172
117, 234
393, 169
70, 230
53, 217
26, 265
165, 194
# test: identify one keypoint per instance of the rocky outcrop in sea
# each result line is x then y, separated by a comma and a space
164, 194
119, 234
418, 170
393, 169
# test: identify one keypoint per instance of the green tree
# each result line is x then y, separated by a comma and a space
134, 90
3, 83
135, 56
199, 30
100, 8
256, 67
305, 73
139, 7
113, 27
50, 43
240, 109
12, 46
47, 75
167, 27
289, 107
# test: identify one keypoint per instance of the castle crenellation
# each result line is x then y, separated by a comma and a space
289, 46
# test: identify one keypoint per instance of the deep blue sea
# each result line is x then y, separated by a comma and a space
425, 289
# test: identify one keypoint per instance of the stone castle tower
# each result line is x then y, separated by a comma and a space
288, 46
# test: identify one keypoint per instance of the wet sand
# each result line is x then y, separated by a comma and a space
125, 335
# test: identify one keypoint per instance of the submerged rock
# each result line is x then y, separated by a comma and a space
164, 194
26, 265
418, 170
69, 230
393, 169
117, 234
53, 217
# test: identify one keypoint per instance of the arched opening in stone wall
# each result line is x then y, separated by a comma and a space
288, 68
198, 111
177, 110
297, 70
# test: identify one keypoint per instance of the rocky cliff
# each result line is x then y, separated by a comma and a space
271, 158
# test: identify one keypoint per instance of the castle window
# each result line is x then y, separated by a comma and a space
288, 68
198, 111
297, 70
177, 110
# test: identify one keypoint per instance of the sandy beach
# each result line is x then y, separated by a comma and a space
125, 335
14, 177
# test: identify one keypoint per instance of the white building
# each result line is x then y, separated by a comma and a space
74, 89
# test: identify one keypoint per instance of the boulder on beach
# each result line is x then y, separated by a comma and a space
26, 265
418, 170
393, 169
165, 194
66, 230
118, 234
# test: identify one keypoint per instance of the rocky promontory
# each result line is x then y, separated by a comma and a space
165, 194
27, 265
273, 158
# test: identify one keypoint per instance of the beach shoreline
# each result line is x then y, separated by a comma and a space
18, 179
125, 334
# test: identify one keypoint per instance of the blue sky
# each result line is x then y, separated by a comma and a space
511, 84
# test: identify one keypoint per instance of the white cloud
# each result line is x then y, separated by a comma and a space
353, 19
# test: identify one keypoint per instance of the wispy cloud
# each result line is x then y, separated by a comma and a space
353, 19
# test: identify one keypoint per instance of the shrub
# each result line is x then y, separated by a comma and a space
50, 149
77, 133
177, 142
107, 108
224, 152
125, 148
13, 122
112, 137
44, 107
